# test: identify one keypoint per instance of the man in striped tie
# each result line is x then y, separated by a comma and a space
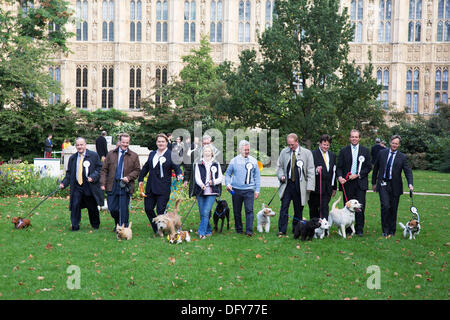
83, 177
387, 180
352, 170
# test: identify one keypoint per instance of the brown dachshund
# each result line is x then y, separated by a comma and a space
21, 223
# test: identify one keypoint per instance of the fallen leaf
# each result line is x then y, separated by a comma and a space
49, 246
40, 278
258, 256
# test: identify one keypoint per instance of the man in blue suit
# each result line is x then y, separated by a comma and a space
83, 177
159, 168
387, 180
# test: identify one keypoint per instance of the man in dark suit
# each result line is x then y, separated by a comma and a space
325, 163
353, 169
159, 168
377, 147
387, 180
101, 146
83, 177
48, 146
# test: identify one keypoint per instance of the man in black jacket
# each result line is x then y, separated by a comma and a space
101, 146
83, 177
325, 163
353, 170
387, 180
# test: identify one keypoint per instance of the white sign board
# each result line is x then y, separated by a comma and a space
108, 139
48, 167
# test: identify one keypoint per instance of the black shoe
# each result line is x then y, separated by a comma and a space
249, 234
281, 234
75, 228
359, 234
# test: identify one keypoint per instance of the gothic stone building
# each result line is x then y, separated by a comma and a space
122, 48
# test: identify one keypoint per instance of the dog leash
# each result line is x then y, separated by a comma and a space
185, 217
174, 191
274, 195
320, 193
413, 209
52, 193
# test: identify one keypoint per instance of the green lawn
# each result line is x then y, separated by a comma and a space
34, 262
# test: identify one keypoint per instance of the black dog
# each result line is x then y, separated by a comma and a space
222, 211
305, 229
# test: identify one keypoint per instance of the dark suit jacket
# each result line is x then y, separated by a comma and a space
102, 146
374, 152
400, 163
327, 175
48, 145
344, 165
93, 172
156, 184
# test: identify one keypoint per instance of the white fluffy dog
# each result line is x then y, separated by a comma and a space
344, 217
263, 218
320, 232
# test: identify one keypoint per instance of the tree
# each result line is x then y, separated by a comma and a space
30, 38
304, 82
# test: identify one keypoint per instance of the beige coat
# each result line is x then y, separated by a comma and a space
308, 181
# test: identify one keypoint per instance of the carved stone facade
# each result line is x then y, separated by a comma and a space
152, 35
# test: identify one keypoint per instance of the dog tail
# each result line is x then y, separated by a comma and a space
402, 225
177, 206
335, 203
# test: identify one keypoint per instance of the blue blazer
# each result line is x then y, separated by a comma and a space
156, 184
94, 169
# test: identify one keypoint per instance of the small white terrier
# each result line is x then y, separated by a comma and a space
263, 218
320, 232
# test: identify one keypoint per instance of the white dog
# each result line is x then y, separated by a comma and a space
345, 217
320, 232
104, 207
263, 218
412, 228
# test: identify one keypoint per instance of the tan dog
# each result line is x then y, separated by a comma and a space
169, 222
124, 233
20, 223
344, 217
179, 237
412, 228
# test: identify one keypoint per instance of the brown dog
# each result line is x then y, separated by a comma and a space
169, 221
20, 223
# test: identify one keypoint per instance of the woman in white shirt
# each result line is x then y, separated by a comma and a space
208, 184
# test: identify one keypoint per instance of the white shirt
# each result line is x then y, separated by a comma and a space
157, 156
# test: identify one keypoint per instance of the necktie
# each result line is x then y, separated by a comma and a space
387, 171
120, 166
354, 160
325, 159
293, 166
80, 170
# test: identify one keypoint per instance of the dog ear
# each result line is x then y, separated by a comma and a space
348, 204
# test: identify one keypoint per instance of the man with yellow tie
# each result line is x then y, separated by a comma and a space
326, 180
83, 178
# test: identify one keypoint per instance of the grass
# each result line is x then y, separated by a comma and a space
34, 262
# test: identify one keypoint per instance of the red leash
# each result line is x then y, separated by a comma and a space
346, 178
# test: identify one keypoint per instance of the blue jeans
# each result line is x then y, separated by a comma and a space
205, 204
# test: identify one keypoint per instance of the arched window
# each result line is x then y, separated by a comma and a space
108, 20
136, 21
412, 90
81, 83
81, 13
189, 20
244, 21
162, 17
356, 19
440, 87
414, 24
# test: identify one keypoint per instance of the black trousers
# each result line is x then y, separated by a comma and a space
118, 202
155, 200
389, 207
291, 193
353, 191
315, 209
82, 198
